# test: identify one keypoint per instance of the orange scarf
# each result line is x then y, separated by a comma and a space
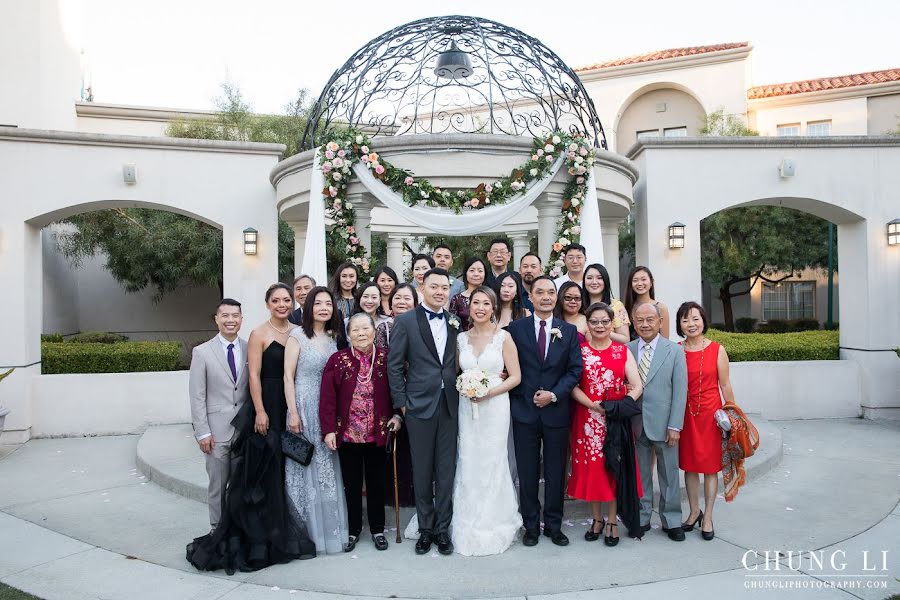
738, 446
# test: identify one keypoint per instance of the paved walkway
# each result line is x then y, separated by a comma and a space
79, 520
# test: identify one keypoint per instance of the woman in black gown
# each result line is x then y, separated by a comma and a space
257, 528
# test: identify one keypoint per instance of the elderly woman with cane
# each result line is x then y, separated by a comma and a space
356, 415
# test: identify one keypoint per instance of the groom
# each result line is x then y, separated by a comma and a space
550, 360
422, 374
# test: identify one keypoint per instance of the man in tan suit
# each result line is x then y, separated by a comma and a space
218, 388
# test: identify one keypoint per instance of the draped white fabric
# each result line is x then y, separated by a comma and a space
591, 237
314, 260
445, 221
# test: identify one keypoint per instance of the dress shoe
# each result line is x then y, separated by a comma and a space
445, 546
351, 543
690, 526
424, 543
707, 535
676, 534
557, 537
609, 540
530, 538
592, 536
380, 541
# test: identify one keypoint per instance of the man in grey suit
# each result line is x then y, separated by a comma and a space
422, 374
219, 386
663, 371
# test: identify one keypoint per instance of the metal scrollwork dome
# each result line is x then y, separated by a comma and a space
455, 74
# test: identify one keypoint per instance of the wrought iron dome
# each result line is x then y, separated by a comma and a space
454, 74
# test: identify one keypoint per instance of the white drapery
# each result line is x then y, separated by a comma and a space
444, 220
591, 237
315, 263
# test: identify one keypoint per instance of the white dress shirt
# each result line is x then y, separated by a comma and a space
564, 278
438, 331
537, 332
236, 350
642, 345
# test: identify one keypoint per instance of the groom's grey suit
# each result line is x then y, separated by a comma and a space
662, 408
423, 381
215, 399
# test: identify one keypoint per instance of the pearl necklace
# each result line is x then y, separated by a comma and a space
282, 332
368, 376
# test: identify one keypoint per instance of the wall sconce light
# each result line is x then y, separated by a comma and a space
893, 233
676, 235
250, 236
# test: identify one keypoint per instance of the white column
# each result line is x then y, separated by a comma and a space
521, 246
548, 210
610, 231
395, 252
363, 224
299, 228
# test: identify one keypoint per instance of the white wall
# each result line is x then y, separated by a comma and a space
107, 404
848, 117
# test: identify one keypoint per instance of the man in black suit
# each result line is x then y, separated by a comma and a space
550, 361
302, 285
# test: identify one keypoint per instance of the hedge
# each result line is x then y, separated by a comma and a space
801, 345
124, 357
97, 337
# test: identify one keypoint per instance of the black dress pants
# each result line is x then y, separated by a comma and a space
359, 461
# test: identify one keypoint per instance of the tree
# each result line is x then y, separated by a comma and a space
718, 124
162, 250
741, 246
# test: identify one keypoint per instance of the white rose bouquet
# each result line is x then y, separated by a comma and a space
473, 383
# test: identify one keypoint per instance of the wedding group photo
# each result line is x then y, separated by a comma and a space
508, 303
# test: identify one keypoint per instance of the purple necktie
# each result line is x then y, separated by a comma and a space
231, 361
542, 341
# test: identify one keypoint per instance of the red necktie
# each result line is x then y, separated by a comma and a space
542, 341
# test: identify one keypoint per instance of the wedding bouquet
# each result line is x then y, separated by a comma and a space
473, 383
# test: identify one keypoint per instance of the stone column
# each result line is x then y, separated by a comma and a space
548, 210
609, 228
363, 207
395, 252
299, 228
521, 246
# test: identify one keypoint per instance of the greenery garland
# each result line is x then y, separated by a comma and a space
342, 149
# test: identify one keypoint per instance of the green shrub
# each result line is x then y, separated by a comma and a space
123, 357
97, 337
51, 337
804, 325
774, 326
801, 345
745, 324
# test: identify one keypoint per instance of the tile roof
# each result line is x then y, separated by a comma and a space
663, 54
825, 83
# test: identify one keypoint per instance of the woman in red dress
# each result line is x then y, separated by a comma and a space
700, 446
608, 365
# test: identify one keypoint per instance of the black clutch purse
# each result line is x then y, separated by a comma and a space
297, 447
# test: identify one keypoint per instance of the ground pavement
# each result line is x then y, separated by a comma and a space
79, 519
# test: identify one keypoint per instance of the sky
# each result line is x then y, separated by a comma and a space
177, 53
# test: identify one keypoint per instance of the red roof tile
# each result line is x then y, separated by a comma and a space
663, 54
826, 83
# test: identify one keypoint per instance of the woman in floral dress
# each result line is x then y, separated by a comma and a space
607, 367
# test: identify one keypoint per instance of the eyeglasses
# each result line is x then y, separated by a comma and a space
599, 322
571, 299
498, 252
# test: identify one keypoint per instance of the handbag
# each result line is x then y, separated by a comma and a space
722, 420
297, 447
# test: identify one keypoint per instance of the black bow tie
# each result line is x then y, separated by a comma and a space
434, 315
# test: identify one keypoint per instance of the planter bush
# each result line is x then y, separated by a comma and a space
774, 326
745, 324
804, 325
97, 337
122, 357
803, 345
51, 337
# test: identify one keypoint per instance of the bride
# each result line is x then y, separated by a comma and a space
486, 515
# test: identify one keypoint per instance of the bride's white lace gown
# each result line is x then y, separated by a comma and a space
486, 515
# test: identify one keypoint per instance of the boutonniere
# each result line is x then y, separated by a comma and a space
555, 334
453, 322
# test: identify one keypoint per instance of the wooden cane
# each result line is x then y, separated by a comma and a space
396, 491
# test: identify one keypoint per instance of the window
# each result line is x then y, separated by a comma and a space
787, 300
647, 133
815, 128
675, 132
789, 130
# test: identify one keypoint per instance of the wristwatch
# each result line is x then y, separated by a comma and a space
552, 397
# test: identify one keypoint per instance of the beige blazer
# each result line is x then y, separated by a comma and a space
215, 395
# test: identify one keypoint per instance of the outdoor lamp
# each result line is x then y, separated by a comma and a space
676, 235
893, 233
250, 235
453, 63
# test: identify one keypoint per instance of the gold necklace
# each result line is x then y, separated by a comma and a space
699, 383
282, 332
368, 376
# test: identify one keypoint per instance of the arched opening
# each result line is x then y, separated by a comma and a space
660, 110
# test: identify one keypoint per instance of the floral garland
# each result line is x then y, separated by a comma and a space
346, 147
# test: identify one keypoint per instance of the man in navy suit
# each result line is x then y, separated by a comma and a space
550, 360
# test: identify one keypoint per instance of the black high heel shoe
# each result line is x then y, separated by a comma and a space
610, 540
707, 535
690, 526
592, 536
